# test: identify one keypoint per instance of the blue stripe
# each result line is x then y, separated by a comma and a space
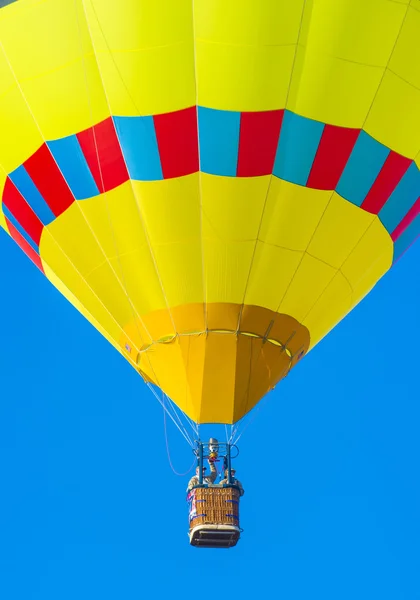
401, 199
19, 227
218, 132
407, 238
362, 168
29, 191
72, 163
138, 141
298, 143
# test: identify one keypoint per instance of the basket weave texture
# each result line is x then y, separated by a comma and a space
214, 506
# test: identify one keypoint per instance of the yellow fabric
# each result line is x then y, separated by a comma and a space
151, 259
315, 256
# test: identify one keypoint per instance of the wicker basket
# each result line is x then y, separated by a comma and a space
214, 506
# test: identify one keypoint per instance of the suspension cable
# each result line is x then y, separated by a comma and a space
167, 447
168, 402
156, 395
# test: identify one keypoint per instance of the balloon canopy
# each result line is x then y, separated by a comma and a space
213, 184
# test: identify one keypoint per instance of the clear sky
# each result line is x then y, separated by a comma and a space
90, 508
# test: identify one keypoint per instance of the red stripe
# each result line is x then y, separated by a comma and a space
333, 152
407, 220
177, 140
389, 176
258, 140
23, 244
102, 152
47, 177
22, 212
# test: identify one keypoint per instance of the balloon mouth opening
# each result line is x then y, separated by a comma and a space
219, 359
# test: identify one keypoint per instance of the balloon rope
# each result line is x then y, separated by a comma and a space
176, 414
167, 447
184, 435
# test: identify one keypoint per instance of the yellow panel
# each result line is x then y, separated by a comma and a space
82, 249
371, 259
115, 220
311, 279
344, 47
76, 91
405, 60
232, 206
395, 116
170, 208
149, 24
340, 229
124, 284
146, 60
19, 137
272, 271
243, 78
7, 81
46, 25
64, 91
171, 213
329, 309
180, 268
248, 22
140, 278
226, 269
291, 214
332, 90
353, 30
59, 267
232, 209
166, 75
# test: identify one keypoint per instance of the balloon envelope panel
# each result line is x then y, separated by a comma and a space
213, 185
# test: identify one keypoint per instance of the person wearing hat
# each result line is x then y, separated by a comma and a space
211, 478
233, 482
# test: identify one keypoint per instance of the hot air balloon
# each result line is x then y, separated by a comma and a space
214, 185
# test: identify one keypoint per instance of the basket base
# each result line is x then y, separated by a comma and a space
214, 536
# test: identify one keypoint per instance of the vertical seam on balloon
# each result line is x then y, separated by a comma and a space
304, 251
204, 284
362, 127
139, 113
44, 141
385, 68
133, 309
339, 270
131, 184
269, 186
271, 179
287, 97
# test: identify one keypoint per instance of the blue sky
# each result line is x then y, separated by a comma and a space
90, 508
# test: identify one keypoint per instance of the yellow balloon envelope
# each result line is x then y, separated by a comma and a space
213, 184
